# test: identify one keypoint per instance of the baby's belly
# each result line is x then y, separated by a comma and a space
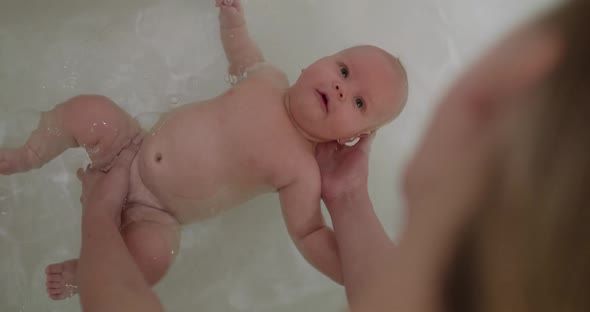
194, 181
192, 197
138, 192
202, 206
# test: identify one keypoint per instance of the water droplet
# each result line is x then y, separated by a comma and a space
93, 150
54, 131
231, 79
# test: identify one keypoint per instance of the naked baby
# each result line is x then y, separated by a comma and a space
259, 136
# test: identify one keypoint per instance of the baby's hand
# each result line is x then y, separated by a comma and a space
229, 3
231, 14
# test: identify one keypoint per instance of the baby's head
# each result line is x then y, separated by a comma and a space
350, 93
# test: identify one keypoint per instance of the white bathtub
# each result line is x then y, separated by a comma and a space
150, 55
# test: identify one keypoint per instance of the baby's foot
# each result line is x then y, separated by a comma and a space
61, 279
3, 162
9, 161
17, 160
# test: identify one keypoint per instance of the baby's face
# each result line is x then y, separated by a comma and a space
346, 94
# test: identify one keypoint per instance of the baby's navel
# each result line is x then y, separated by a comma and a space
158, 157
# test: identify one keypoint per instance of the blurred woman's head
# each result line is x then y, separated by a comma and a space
527, 248
498, 190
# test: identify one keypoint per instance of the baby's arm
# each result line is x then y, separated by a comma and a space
301, 209
241, 52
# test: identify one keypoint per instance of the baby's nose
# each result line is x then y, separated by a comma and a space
339, 90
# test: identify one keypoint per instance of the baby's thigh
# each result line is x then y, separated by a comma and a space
99, 125
152, 236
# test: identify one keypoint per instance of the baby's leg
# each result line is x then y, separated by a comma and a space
152, 237
91, 121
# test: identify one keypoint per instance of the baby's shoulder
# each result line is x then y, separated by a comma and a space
267, 70
303, 165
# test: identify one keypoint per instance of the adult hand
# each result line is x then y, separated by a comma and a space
107, 192
344, 169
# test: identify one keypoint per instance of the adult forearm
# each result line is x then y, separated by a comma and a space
321, 250
108, 276
365, 249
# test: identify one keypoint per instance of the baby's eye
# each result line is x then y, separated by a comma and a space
359, 103
344, 71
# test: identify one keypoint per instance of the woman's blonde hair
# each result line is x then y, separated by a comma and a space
528, 248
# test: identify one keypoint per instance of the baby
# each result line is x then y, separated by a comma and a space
202, 158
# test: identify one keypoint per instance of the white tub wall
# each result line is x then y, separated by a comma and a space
152, 55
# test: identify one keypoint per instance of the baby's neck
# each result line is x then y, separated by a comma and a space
308, 137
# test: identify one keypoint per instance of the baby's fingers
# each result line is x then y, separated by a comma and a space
125, 158
229, 3
236, 4
219, 3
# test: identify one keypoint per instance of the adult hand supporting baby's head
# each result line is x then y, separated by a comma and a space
106, 192
344, 169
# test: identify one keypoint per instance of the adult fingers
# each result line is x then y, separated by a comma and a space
326, 150
365, 141
125, 158
80, 174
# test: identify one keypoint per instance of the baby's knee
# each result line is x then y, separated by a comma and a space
152, 250
87, 101
91, 108
94, 118
152, 237
90, 99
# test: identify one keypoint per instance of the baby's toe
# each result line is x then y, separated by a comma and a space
56, 294
5, 167
61, 281
55, 268
54, 284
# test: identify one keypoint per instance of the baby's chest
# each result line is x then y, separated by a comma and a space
277, 162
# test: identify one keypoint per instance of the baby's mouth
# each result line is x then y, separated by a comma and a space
325, 99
